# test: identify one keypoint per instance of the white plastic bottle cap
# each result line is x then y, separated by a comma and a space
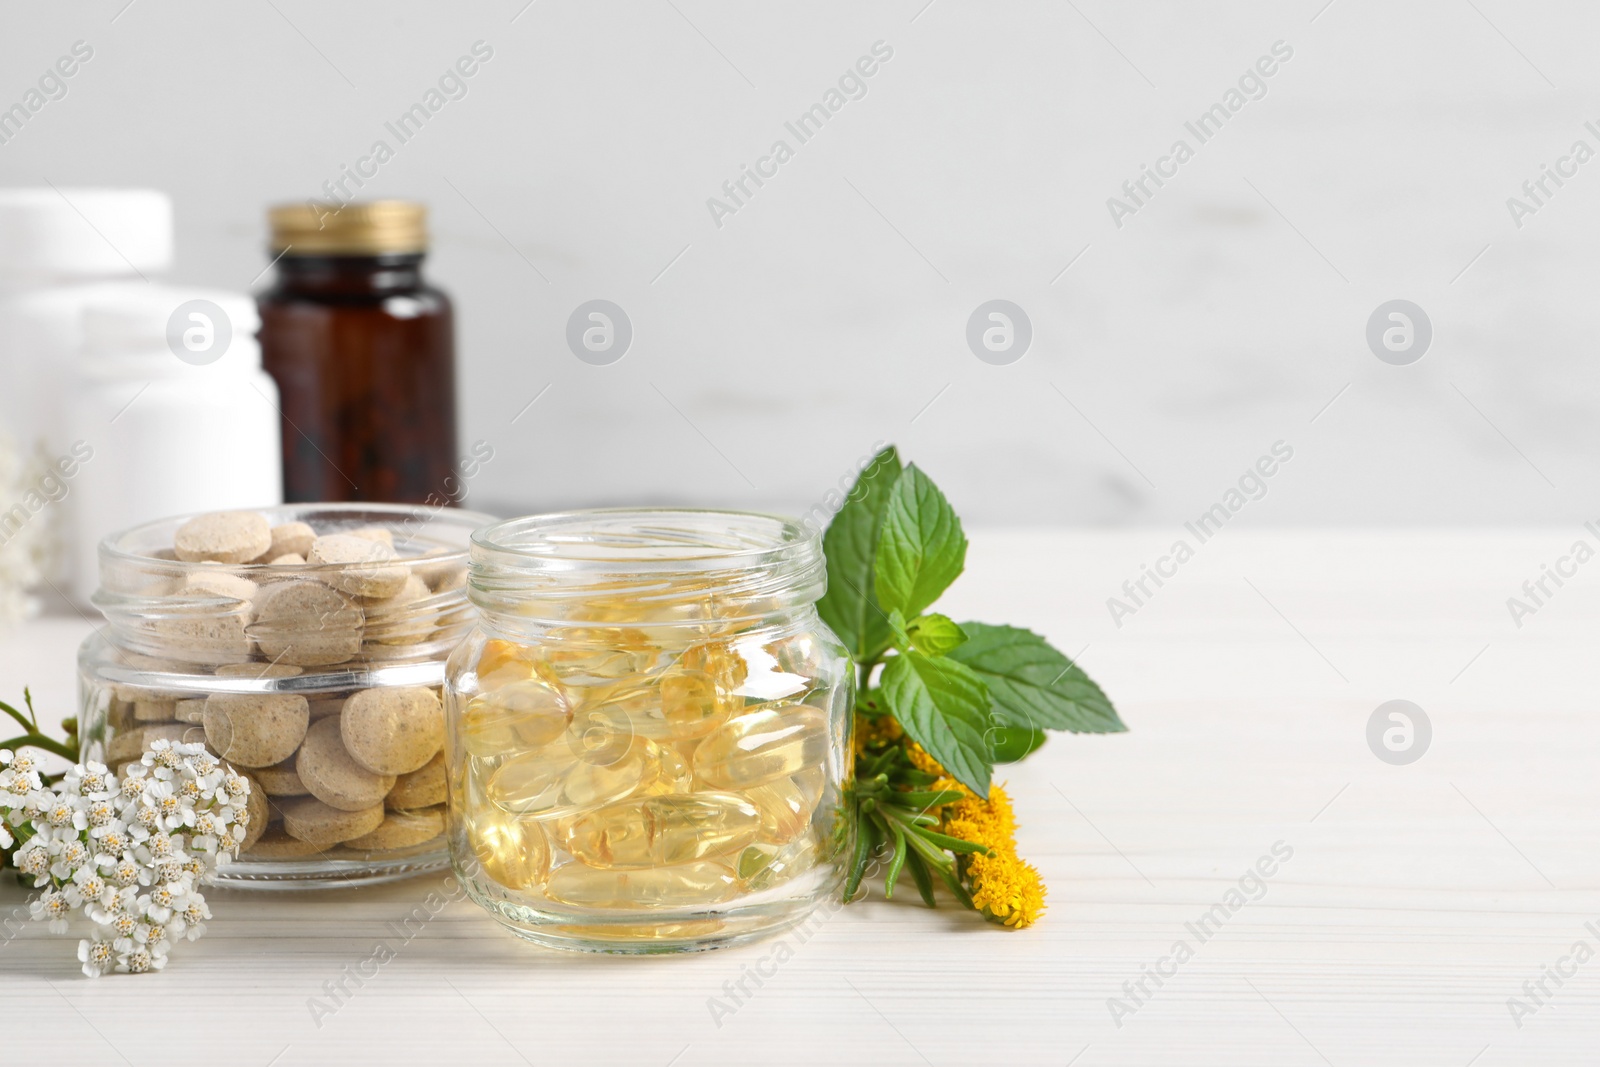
84, 233
195, 326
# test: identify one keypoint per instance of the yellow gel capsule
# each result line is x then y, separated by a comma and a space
801, 654
514, 852
764, 866
683, 705
561, 778
811, 782
784, 809
691, 706
662, 831
759, 746
498, 654
521, 715
721, 661
530, 784
503, 663
700, 883
592, 783
675, 776
606, 653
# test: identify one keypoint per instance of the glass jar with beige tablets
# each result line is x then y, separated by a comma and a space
305, 646
648, 730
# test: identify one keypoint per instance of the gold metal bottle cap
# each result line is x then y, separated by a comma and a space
354, 229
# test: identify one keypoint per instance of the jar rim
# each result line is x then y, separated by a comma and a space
205, 613
510, 539
111, 550
670, 564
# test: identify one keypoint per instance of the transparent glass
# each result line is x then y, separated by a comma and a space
648, 730
328, 699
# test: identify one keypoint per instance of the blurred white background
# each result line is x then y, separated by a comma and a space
830, 312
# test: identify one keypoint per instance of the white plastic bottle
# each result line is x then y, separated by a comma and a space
59, 250
173, 404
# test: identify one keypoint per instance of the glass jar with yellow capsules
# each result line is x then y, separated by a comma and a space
649, 730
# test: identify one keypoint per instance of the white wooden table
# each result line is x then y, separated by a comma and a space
1418, 899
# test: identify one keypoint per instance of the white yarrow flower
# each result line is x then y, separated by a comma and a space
97, 957
127, 854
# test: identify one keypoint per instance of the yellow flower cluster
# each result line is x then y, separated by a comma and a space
1004, 887
872, 732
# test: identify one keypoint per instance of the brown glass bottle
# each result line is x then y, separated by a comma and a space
363, 352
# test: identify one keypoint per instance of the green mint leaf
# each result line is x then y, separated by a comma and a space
1011, 744
921, 548
944, 707
898, 636
850, 606
1032, 683
934, 634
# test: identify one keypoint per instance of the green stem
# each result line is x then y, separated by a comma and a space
896, 861
861, 854
33, 740
933, 837
15, 714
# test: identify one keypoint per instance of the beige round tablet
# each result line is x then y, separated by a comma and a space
290, 538
274, 844
368, 567
393, 731
281, 780
256, 813
333, 777
288, 559
206, 634
216, 582
154, 710
125, 745
165, 731
257, 670
134, 693
153, 664
450, 580
397, 620
306, 623
343, 549
421, 788
310, 820
374, 652
255, 729
322, 707
401, 829
374, 533
191, 711
223, 536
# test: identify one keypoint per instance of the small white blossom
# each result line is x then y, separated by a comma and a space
91, 779
34, 859
141, 959
133, 782
52, 907
162, 754
190, 922
97, 957
125, 872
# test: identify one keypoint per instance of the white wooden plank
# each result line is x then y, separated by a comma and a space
1418, 899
